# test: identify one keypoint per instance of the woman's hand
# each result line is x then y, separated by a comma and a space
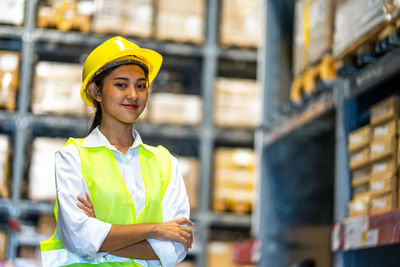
86, 205
175, 230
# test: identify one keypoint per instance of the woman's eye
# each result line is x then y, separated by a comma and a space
142, 86
121, 85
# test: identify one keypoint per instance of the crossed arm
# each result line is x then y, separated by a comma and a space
130, 240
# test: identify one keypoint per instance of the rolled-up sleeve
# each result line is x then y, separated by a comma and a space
175, 204
76, 231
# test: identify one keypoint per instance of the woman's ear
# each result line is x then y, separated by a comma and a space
94, 91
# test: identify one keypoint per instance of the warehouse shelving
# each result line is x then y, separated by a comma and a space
23, 123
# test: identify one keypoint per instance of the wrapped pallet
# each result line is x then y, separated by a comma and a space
58, 93
12, 11
131, 17
42, 185
180, 21
241, 23
357, 22
237, 103
4, 165
9, 79
234, 178
313, 37
177, 109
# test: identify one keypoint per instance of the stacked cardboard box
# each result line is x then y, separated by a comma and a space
189, 168
241, 23
175, 109
358, 21
65, 15
313, 37
41, 173
12, 11
4, 165
373, 153
3, 245
237, 103
9, 79
58, 93
132, 17
180, 21
234, 178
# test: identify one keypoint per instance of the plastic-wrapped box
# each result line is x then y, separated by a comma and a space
177, 109
180, 21
12, 11
131, 17
237, 103
58, 93
4, 165
313, 36
42, 184
241, 23
358, 21
9, 79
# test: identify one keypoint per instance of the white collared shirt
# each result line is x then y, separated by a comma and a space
84, 235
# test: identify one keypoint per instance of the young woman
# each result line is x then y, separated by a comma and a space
119, 202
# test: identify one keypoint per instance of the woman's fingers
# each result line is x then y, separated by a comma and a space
86, 205
184, 220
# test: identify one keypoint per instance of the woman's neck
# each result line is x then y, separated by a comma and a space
118, 134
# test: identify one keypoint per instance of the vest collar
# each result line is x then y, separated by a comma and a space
97, 139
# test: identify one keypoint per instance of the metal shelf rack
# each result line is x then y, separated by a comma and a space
22, 122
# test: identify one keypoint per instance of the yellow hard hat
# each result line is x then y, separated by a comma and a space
117, 51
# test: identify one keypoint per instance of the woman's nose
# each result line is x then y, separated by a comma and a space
132, 93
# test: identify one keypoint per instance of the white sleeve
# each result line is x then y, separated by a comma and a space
76, 231
175, 204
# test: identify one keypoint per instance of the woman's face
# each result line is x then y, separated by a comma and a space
124, 94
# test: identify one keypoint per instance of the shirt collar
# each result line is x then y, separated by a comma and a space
97, 139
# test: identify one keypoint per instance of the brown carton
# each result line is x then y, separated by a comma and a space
383, 184
189, 168
383, 147
385, 130
360, 176
384, 203
3, 245
359, 138
385, 110
383, 166
359, 158
358, 207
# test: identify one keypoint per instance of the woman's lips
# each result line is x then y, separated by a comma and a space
131, 107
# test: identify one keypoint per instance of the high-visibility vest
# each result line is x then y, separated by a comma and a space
111, 200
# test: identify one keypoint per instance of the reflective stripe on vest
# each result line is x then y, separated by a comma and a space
111, 200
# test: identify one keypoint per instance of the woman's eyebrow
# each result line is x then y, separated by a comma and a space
121, 78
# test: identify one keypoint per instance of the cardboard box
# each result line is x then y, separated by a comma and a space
385, 110
383, 203
360, 191
41, 170
383, 184
360, 176
131, 17
189, 168
383, 147
178, 109
46, 224
240, 23
358, 207
58, 93
234, 158
385, 130
220, 254
3, 245
356, 21
383, 166
313, 36
9, 79
181, 21
359, 158
359, 138
12, 12
4, 166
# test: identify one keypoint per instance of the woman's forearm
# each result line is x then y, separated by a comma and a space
122, 236
140, 251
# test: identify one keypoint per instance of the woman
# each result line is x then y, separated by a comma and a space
140, 207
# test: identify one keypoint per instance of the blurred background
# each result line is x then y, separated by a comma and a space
284, 115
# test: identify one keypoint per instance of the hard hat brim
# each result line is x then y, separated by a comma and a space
150, 58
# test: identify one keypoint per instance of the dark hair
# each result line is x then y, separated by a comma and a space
99, 81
